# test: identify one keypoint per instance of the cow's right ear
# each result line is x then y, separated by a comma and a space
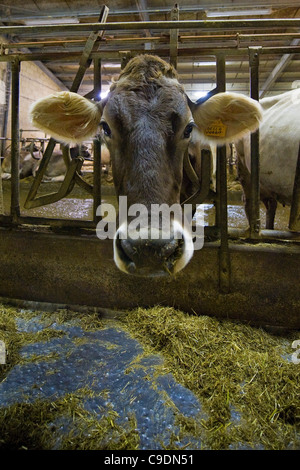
226, 117
67, 116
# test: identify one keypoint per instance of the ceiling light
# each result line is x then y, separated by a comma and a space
51, 21
104, 94
203, 64
254, 12
198, 94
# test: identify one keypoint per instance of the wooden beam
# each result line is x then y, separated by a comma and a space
278, 70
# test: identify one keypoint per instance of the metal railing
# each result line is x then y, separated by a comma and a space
220, 229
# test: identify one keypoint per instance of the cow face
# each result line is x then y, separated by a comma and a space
147, 121
147, 131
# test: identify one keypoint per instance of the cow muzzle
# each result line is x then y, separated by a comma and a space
154, 252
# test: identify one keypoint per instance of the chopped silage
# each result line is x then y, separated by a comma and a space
243, 377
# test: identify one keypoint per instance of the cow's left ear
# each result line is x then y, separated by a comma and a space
226, 117
67, 116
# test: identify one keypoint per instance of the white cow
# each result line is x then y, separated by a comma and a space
279, 141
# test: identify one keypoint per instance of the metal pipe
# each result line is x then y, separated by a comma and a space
52, 222
224, 255
221, 207
255, 186
284, 236
115, 54
164, 39
15, 144
190, 24
174, 37
90, 46
5, 108
294, 222
221, 86
97, 170
39, 175
71, 169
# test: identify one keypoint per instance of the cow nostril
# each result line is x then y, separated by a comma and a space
150, 254
152, 257
129, 248
150, 250
169, 248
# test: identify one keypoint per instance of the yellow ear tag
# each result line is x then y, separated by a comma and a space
216, 129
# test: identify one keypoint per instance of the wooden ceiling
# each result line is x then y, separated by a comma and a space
193, 49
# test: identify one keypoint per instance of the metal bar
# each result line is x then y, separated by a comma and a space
174, 37
85, 59
5, 108
224, 255
265, 235
15, 135
61, 223
255, 186
189, 24
294, 222
221, 206
240, 36
278, 70
39, 175
164, 39
66, 186
97, 146
115, 54
203, 184
221, 86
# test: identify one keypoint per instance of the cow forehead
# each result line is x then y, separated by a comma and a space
125, 105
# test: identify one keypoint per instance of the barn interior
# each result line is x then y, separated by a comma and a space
206, 359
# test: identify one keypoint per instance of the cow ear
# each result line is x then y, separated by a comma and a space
226, 117
67, 116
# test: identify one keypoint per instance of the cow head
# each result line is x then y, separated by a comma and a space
147, 121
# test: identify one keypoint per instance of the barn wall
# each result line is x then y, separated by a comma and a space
34, 84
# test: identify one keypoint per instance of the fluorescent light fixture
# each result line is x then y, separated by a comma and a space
254, 12
104, 94
198, 94
109, 65
204, 64
50, 21
212, 63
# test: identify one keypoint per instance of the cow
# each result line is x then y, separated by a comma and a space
56, 169
30, 162
279, 138
147, 122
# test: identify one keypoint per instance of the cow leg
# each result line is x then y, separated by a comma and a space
245, 180
271, 206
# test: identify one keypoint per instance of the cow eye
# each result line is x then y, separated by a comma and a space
188, 130
106, 128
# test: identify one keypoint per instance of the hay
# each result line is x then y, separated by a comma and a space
243, 377
249, 392
37, 426
62, 423
14, 339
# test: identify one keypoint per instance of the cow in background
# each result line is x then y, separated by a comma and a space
56, 169
279, 138
30, 161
